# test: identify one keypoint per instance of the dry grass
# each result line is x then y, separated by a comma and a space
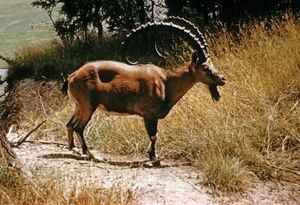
16, 189
254, 132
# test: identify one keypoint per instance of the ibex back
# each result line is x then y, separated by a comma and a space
143, 89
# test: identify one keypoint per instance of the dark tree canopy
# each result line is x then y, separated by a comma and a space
78, 19
229, 11
124, 14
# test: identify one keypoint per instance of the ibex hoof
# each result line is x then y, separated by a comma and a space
152, 163
156, 162
75, 150
88, 156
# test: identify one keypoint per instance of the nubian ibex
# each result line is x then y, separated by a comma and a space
145, 90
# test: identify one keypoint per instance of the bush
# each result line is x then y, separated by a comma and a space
50, 59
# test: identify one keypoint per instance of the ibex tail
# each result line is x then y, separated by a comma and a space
64, 88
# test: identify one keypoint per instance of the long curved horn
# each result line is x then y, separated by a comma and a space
172, 27
157, 50
194, 29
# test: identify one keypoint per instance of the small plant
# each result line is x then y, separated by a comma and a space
226, 174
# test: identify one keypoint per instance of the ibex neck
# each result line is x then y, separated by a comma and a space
179, 82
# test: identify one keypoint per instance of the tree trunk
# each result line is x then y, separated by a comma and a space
98, 19
142, 12
7, 155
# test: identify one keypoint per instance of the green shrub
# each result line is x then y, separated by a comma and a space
50, 59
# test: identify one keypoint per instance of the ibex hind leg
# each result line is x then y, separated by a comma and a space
79, 127
151, 127
70, 129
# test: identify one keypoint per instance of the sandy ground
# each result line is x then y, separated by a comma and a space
169, 184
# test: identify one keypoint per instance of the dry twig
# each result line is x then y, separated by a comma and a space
46, 142
131, 164
22, 140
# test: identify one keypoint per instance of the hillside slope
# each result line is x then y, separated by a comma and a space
21, 25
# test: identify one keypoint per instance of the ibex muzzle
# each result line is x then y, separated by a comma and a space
145, 90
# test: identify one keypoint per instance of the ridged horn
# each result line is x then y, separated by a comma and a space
194, 29
182, 31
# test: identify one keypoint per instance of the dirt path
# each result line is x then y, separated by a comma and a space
170, 184
167, 185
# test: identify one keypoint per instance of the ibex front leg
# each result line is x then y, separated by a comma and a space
151, 127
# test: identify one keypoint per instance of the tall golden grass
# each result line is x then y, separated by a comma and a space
15, 189
252, 133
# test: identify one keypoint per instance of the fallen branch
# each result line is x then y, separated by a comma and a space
49, 143
22, 140
131, 164
9, 131
80, 157
46, 142
8, 135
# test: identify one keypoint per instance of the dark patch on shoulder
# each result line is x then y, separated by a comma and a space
107, 75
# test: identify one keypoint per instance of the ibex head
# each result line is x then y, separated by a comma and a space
200, 64
206, 73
